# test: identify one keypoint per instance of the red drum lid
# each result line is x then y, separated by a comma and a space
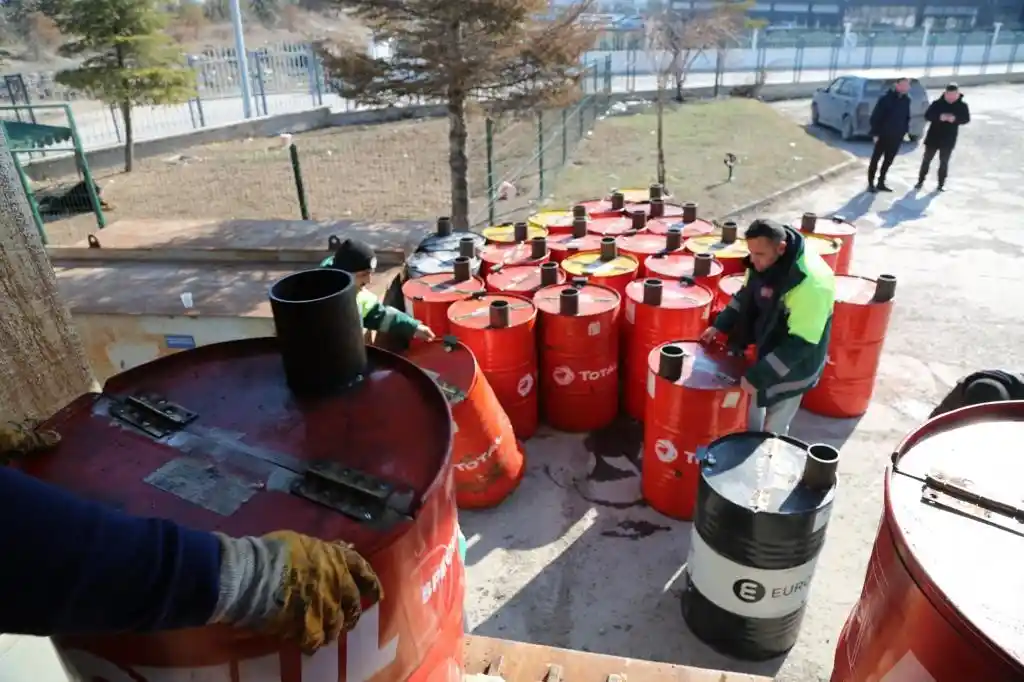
245, 437
440, 288
731, 284
593, 299
474, 313
855, 290
644, 243
674, 295
709, 369
519, 278
951, 498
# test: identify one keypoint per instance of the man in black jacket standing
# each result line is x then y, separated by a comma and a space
946, 115
890, 122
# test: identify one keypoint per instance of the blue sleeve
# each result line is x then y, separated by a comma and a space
68, 565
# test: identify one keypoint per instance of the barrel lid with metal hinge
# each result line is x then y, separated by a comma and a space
509, 254
703, 368
955, 503
552, 221
505, 234
440, 288
693, 229
823, 245
474, 312
644, 243
675, 294
590, 264
434, 262
567, 242
448, 242
677, 264
610, 226
213, 438
713, 244
593, 299
524, 279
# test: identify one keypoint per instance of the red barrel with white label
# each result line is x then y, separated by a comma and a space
525, 279
835, 227
655, 312
860, 321
488, 460
494, 257
693, 397
243, 438
701, 268
605, 267
944, 591
579, 355
642, 245
499, 329
727, 248
427, 298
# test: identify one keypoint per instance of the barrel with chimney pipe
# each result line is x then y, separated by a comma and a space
297, 431
688, 221
726, 246
446, 238
642, 245
763, 504
835, 227
494, 257
561, 246
433, 262
427, 298
606, 266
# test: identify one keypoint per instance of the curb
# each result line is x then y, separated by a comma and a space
795, 188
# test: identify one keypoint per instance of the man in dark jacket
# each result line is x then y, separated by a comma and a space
945, 115
988, 386
784, 308
890, 123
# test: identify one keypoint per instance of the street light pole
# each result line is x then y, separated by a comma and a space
242, 57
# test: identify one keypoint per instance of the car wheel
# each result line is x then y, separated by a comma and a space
847, 130
814, 115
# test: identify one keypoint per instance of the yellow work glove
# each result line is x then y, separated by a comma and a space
18, 439
293, 586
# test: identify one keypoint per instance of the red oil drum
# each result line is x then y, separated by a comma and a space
427, 298
512, 233
943, 594
655, 312
642, 245
693, 397
499, 329
579, 355
602, 208
828, 248
725, 246
860, 321
561, 246
214, 438
494, 257
691, 224
655, 209
605, 267
837, 228
488, 460
726, 289
524, 279
702, 268
613, 226
555, 222
641, 196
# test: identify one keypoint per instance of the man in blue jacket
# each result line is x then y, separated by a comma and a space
784, 308
890, 123
71, 566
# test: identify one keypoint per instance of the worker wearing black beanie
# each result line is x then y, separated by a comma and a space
359, 260
988, 386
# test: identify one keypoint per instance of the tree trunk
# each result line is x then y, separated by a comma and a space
42, 363
661, 131
458, 162
129, 137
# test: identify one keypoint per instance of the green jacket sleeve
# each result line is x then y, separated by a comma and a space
726, 319
385, 319
808, 307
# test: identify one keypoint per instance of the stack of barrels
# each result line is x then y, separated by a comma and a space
571, 317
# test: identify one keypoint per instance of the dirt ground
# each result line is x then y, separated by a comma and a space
772, 151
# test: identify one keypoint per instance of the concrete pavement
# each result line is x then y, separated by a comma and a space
573, 560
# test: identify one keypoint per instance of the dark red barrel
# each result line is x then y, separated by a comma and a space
704, 270
489, 461
944, 591
605, 267
693, 397
497, 256
837, 228
657, 311
427, 298
642, 245
525, 279
860, 321
579, 355
499, 329
214, 438
726, 289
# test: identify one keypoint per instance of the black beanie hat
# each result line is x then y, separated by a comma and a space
354, 256
985, 390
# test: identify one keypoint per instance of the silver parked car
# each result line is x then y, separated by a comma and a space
847, 102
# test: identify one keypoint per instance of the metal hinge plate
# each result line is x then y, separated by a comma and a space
960, 497
152, 413
354, 493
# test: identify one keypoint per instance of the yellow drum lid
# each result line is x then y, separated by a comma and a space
505, 234
638, 196
589, 264
551, 219
712, 243
825, 246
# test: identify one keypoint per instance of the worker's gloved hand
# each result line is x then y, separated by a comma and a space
293, 586
18, 439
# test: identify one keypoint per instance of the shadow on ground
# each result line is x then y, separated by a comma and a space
911, 206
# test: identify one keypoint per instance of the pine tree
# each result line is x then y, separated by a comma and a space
129, 61
42, 363
502, 54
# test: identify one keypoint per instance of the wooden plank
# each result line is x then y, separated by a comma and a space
156, 288
281, 241
522, 662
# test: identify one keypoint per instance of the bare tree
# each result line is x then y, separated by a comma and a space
675, 39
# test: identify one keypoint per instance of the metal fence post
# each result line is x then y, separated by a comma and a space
300, 186
565, 135
492, 195
608, 74
540, 154
261, 83
315, 89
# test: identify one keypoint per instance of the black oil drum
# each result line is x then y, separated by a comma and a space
763, 503
445, 238
434, 262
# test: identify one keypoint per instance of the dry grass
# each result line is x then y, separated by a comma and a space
380, 172
773, 153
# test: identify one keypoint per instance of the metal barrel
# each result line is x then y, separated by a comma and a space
763, 504
428, 298
730, 254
